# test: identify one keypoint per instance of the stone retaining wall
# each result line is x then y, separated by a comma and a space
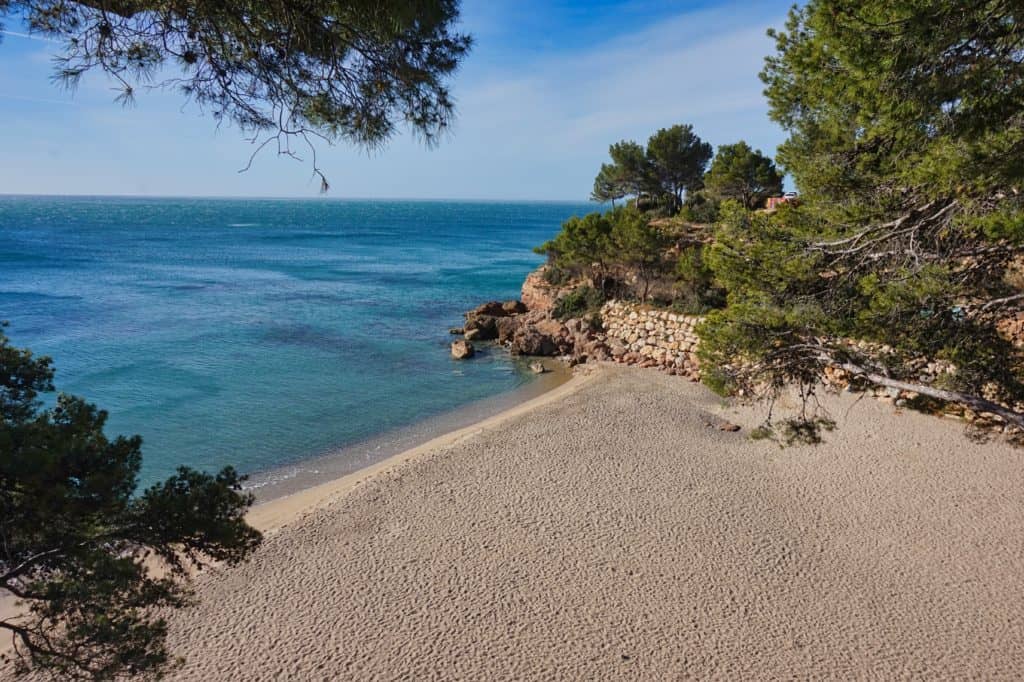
641, 335
636, 334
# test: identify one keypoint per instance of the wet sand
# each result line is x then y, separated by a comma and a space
609, 530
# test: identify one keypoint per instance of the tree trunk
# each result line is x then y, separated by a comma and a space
976, 403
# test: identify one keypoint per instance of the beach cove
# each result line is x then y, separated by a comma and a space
267, 334
610, 529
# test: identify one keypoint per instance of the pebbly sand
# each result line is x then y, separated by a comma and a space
606, 531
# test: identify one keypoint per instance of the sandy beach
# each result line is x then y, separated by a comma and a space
609, 530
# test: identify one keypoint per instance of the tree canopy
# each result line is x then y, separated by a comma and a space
609, 185
639, 245
608, 247
630, 167
671, 164
906, 136
286, 73
583, 245
741, 173
677, 159
78, 546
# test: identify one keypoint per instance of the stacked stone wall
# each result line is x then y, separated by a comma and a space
641, 335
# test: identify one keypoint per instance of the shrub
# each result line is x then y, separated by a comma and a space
696, 290
578, 303
556, 276
700, 208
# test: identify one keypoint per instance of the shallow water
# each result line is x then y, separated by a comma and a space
263, 333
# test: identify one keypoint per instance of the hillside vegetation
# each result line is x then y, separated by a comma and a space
905, 140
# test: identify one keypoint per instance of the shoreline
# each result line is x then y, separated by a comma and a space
275, 512
308, 472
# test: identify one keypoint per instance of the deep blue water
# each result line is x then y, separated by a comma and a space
259, 333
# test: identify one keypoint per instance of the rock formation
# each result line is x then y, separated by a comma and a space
462, 350
539, 295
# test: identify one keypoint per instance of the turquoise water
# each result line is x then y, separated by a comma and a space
262, 333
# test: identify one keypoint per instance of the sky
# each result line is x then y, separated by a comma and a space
547, 87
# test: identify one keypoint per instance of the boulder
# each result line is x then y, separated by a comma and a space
462, 349
597, 351
576, 326
491, 309
473, 335
538, 368
530, 341
507, 328
552, 328
484, 324
513, 307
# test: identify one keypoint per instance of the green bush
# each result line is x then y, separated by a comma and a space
606, 249
696, 289
579, 303
700, 208
556, 276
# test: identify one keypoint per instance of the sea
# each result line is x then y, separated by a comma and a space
291, 339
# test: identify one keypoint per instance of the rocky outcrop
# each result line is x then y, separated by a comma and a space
489, 309
521, 331
631, 333
538, 295
514, 307
529, 341
507, 328
480, 327
482, 323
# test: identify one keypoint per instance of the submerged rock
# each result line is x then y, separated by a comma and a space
462, 349
538, 368
457, 330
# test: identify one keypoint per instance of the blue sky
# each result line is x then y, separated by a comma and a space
548, 86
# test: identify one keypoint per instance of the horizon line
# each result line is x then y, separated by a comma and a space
291, 198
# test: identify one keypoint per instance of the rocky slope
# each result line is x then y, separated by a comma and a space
627, 333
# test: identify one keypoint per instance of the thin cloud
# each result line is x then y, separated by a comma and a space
695, 68
28, 36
